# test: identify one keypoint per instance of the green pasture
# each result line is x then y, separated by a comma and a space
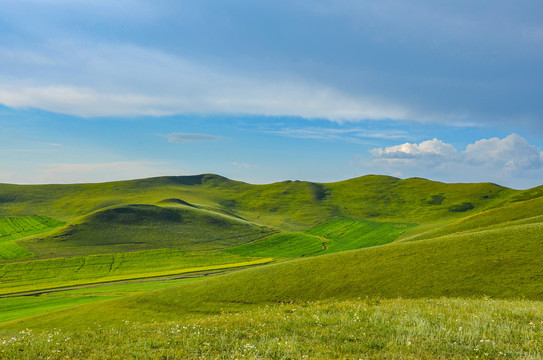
63, 272
338, 234
20, 307
348, 234
24, 306
12, 228
286, 206
501, 263
370, 328
140, 227
371, 292
282, 246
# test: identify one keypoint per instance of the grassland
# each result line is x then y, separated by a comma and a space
349, 234
372, 267
64, 272
338, 234
20, 307
139, 227
286, 206
353, 329
12, 228
289, 245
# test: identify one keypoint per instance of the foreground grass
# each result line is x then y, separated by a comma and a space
355, 329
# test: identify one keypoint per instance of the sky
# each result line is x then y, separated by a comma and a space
265, 91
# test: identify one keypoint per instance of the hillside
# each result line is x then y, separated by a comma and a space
140, 227
288, 205
133, 256
500, 263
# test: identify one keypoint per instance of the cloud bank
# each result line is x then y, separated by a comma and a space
507, 160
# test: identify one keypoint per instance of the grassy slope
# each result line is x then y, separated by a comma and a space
349, 234
19, 307
282, 246
526, 212
12, 228
140, 227
287, 206
63, 272
338, 234
388, 329
493, 262
501, 263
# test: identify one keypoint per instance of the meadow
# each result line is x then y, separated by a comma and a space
441, 328
372, 267
12, 228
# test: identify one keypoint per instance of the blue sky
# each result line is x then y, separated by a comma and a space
271, 90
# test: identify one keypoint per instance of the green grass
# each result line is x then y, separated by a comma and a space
62, 272
349, 234
125, 288
353, 329
286, 206
474, 241
526, 212
338, 234
12, 228
15, 308
502, 263
24, 306
282, 246
140, 227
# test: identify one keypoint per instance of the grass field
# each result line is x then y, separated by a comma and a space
341, 277
63, 272
139, 227
353, 329
338, 234
504, 263
19, 307
12, 228
282, 246
286, 206
350, 234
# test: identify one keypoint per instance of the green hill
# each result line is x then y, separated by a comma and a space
12, 228
139, 227
500, 263
308, 270
287, 206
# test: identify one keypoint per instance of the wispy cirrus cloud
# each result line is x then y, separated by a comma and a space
353, 135
189, 137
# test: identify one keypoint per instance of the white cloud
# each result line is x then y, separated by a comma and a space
429, 148
186, 137
107, 80
512, 153
510, 161
352, 135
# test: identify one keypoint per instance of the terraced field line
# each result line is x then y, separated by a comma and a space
189, 273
